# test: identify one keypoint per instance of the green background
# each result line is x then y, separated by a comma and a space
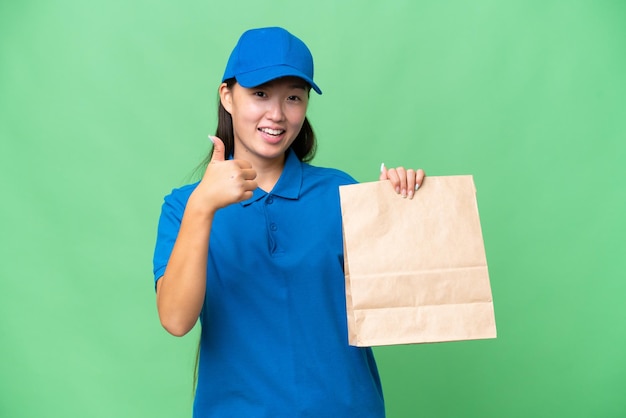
106, 105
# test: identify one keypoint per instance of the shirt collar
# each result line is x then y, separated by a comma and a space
288, 185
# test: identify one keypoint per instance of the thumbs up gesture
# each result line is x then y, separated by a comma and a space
224, 181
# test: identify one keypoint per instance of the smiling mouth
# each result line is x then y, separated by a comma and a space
273, 132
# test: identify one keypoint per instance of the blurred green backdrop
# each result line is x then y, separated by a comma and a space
106, 105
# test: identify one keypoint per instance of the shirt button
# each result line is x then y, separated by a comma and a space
273, 227
269, 200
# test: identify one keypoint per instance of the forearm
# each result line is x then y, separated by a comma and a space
181, 290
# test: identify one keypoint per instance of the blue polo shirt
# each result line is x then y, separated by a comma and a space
274, 335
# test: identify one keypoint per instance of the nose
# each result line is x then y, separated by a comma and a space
275, 111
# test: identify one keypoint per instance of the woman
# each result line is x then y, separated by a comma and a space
255, 251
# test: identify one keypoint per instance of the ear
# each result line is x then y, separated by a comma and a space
226, 97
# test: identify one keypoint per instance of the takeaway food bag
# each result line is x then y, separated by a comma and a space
416, 270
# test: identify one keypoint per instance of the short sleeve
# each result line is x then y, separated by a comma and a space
168, 227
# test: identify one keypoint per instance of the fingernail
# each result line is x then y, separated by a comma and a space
411, 193
417, 186
211, 139
382, 167
398, 189
403, 193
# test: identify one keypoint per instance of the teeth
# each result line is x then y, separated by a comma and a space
272, 131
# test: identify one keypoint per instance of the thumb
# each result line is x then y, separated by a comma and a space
383, 172
218, 149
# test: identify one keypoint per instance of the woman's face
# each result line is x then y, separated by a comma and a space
267, 118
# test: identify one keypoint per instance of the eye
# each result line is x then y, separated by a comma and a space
294, 98
260, 94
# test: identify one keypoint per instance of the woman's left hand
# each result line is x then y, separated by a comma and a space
404, 181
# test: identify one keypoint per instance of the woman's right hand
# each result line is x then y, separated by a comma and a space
181, 290
224, 181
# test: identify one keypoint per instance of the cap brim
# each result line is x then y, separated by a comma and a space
256, 78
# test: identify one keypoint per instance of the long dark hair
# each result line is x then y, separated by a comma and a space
305, 144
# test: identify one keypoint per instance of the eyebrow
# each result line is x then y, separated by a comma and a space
297, 84
302, 86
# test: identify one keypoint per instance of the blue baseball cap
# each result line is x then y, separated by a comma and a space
265, 54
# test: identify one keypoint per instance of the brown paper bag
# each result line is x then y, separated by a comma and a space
416, 270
